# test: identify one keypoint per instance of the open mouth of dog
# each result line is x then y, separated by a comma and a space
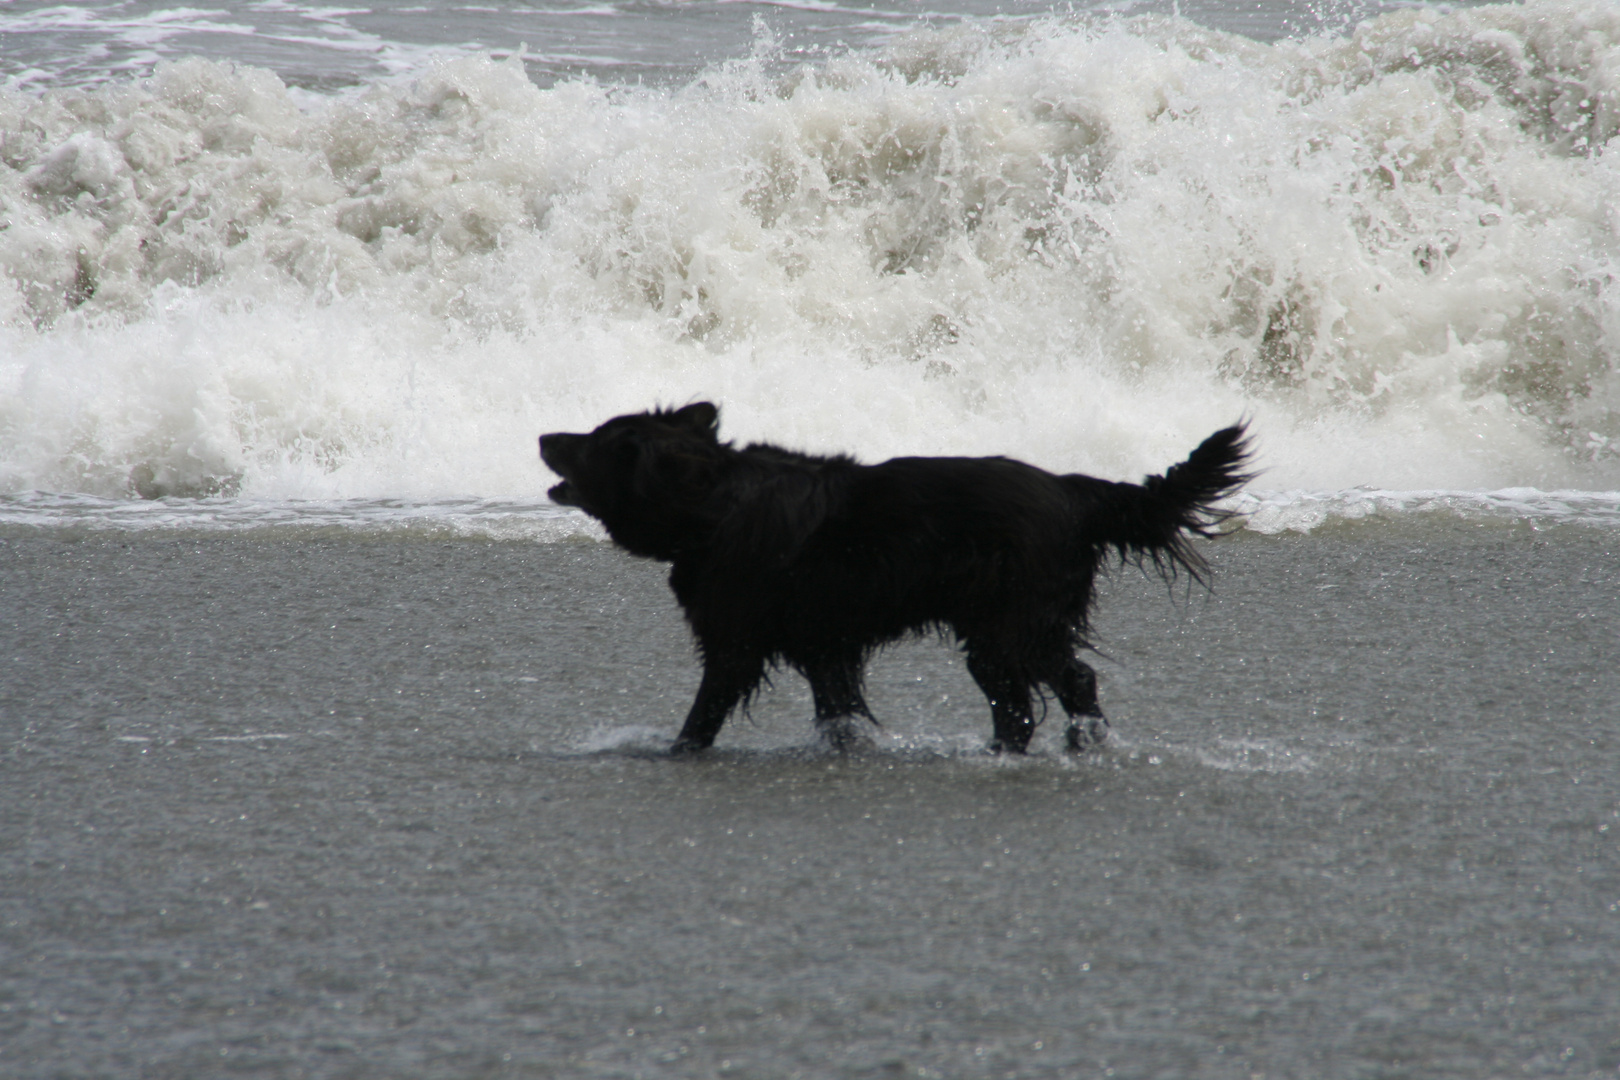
559, 452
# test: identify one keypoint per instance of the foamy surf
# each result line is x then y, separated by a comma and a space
1273, 512
1085, 243
1266, 512
490, 519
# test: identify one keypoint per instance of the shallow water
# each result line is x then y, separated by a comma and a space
327, 805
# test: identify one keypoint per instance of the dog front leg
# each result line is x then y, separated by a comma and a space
726, 681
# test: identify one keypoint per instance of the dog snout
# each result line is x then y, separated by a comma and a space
555, 449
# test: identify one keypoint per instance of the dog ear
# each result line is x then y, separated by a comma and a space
700, 417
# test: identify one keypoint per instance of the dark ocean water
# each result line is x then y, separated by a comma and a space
325, 47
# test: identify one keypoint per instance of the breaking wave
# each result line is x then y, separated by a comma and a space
1085, 242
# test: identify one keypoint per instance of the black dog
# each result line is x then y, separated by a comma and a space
819, 561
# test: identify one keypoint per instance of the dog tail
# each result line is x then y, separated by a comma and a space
1157, 519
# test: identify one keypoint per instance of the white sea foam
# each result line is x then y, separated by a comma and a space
489, 519
1303, 511
1084, 243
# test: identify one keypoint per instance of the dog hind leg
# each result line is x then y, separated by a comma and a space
836, 685
1076, 690
1010, 707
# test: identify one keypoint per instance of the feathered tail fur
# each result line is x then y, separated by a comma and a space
1155, 520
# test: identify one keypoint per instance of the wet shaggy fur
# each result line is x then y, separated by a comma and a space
816, 562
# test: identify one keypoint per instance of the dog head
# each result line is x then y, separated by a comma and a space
646, 476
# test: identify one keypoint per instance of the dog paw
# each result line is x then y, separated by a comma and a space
844, 736
687, 748
1085, 734
1007, 746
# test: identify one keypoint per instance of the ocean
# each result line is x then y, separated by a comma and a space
330, 748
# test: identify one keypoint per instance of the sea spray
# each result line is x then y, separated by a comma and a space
1083, 242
